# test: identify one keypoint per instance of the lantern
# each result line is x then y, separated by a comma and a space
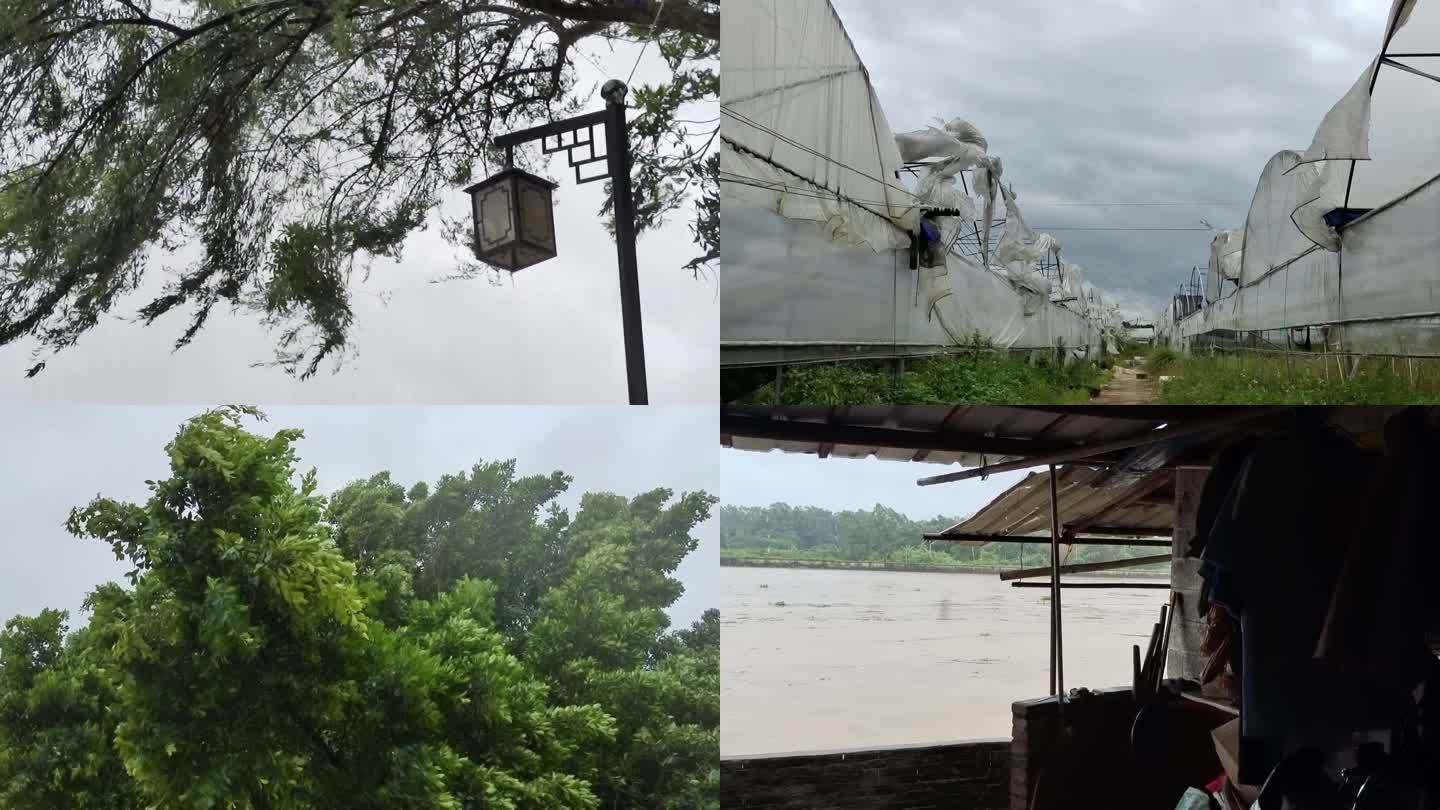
514, 219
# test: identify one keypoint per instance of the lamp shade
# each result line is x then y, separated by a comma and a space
514, 219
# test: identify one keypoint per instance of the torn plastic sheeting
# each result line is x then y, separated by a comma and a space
930, 142
964, 300
948, 169
1017, 241
1344, 132
1072, 277
946, 193
965, 131
1047, 244
987, 176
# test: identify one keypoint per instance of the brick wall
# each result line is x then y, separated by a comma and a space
972, 774
1103, 720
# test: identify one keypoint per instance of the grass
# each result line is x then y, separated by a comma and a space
1319, 379
977, 376
1160, 359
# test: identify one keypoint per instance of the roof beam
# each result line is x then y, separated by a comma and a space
890, 438
1074, 541
1228, 419
1140, 490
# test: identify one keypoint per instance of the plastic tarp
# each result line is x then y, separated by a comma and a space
796, 95
787, 282
1226, 250
1392, 268
1271, 238
967, 132
793, 198
1018, 251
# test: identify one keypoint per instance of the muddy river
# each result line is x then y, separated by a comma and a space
823, 660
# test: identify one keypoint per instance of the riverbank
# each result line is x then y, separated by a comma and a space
886, 565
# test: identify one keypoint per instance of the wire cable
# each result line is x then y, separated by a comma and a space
653, 34
744, 119
779, 186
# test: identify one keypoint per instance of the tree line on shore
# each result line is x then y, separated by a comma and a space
786, 531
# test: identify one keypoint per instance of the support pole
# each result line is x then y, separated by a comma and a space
1057, 648
617, 150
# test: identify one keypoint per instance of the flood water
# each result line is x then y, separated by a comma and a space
854, 659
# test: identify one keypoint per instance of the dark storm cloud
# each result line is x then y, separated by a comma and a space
1167, 101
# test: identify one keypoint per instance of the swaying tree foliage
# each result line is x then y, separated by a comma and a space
474, 647
295, 140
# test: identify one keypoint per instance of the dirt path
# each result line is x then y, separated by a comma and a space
1130, 385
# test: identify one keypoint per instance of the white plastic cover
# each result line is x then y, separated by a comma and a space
930, 142
967, 132
793, 198
1325, 193
1271, 238
790, 68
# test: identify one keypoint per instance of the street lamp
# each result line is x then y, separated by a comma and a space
514, 220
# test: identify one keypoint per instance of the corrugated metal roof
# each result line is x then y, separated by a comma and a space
926, 432
1091, 500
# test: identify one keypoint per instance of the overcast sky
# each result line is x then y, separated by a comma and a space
59, 457
749, 478
549, 334
1122, 101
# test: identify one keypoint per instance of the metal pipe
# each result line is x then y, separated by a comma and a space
1026, 583
1165, 639
1124, 540
1057, 634
1110, 565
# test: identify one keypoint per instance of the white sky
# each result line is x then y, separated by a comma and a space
550, 334
61, 456
749, 478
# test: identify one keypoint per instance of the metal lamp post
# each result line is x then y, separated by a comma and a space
514, 223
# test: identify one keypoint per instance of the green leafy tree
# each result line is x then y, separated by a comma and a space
583, 602
383, 648
294, 141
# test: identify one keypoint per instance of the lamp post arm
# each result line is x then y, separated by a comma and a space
511, 140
